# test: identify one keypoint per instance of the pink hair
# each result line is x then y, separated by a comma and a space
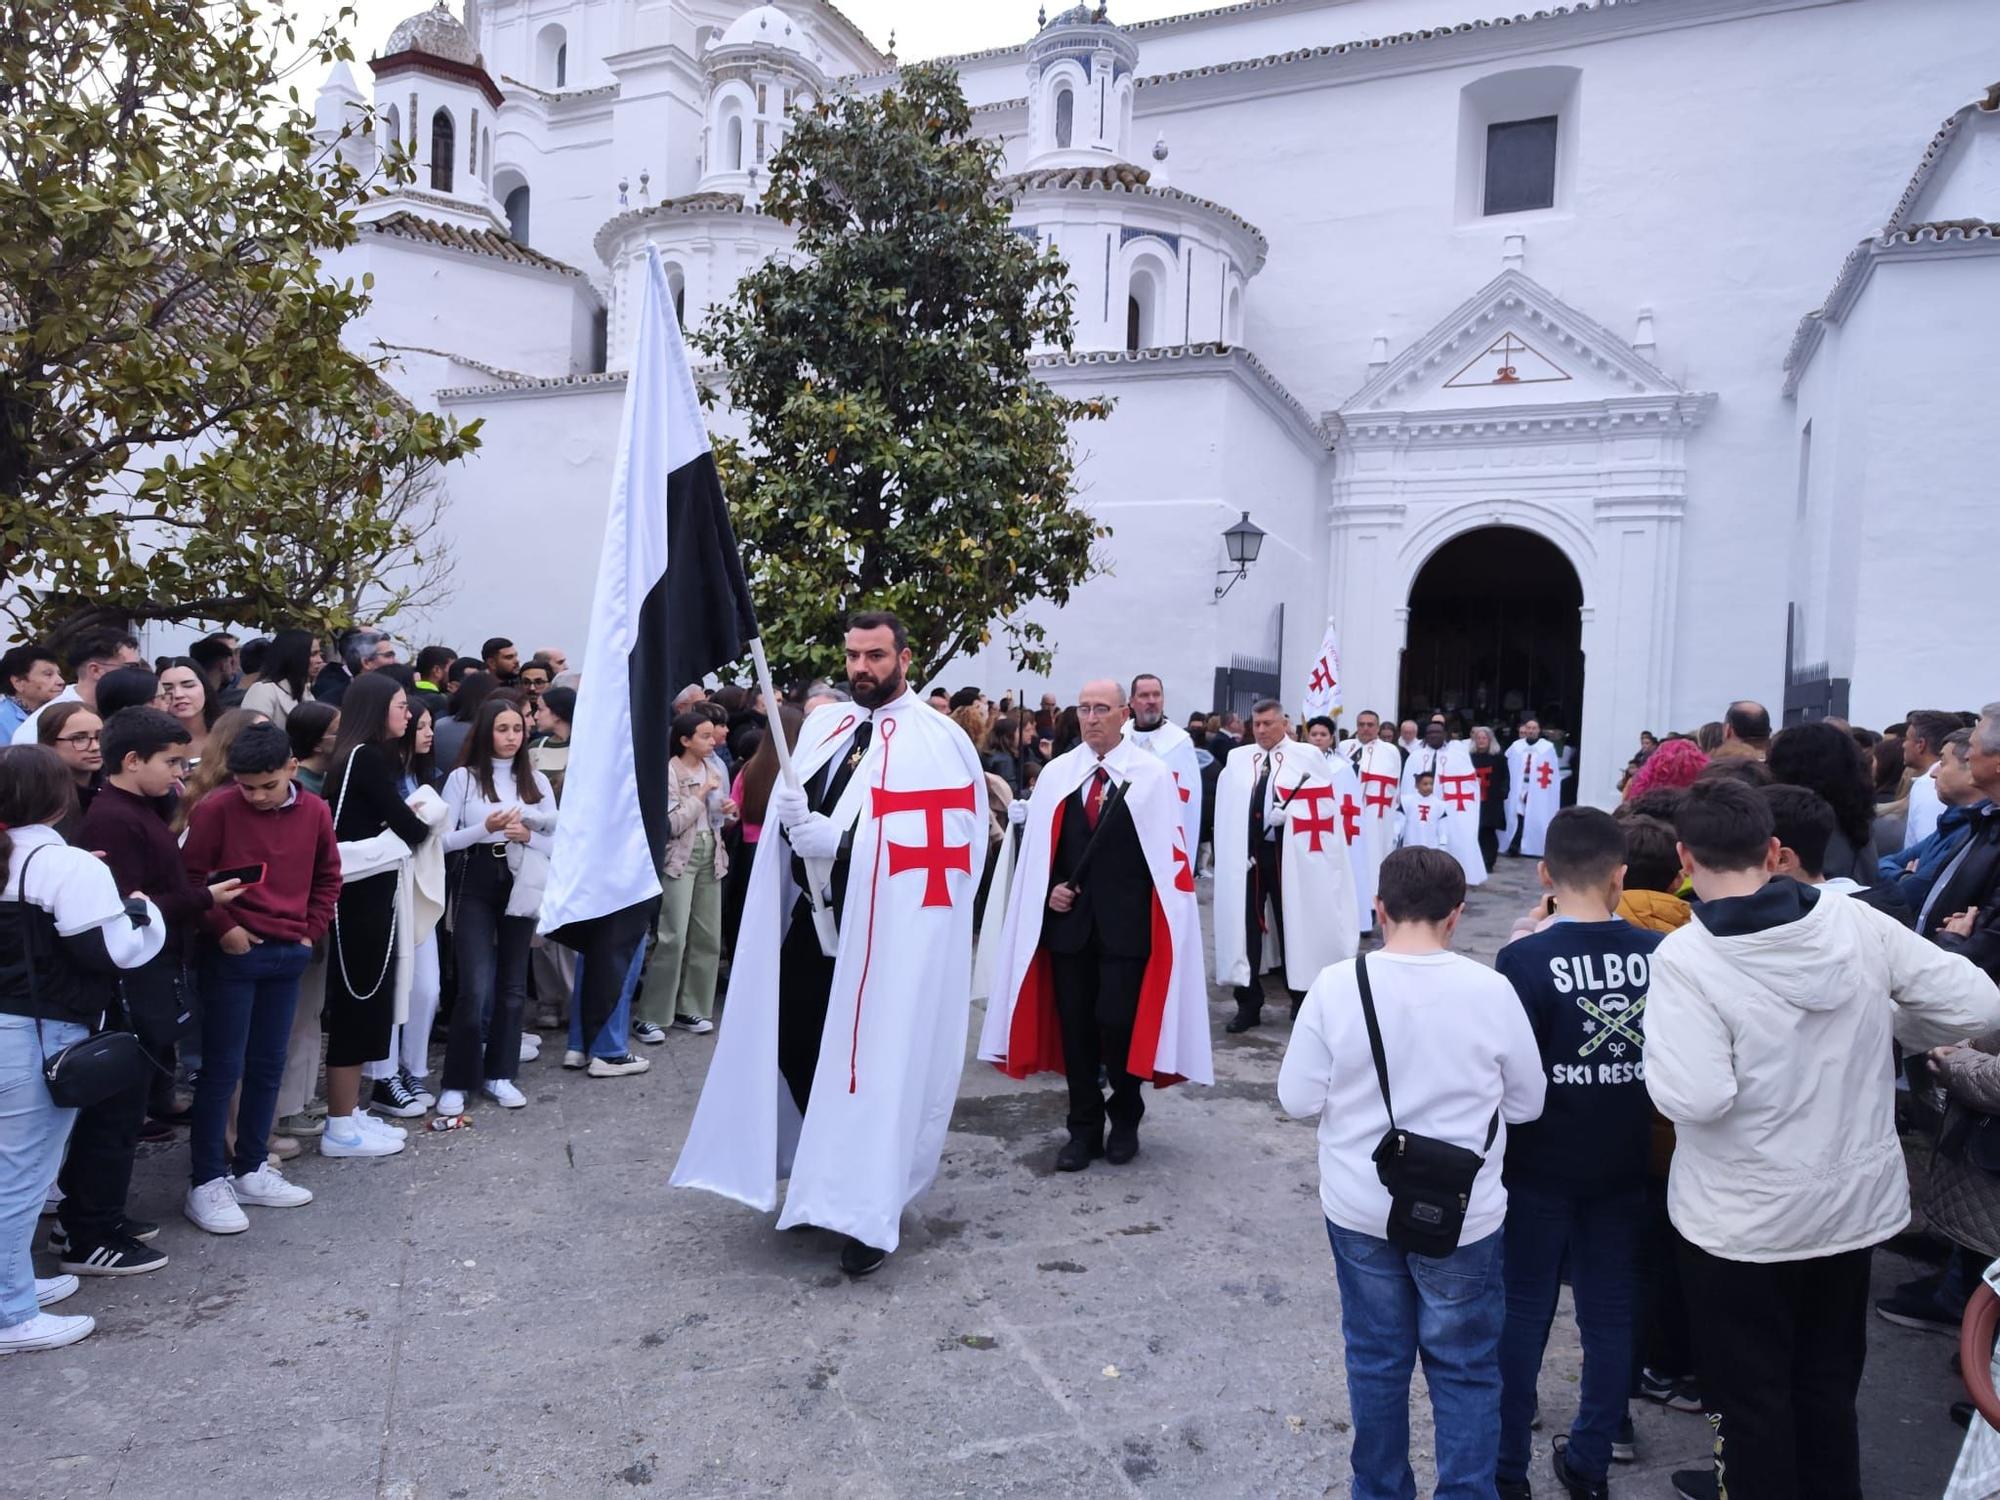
1675, 763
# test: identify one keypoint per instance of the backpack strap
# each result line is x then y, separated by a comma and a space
1374, 1034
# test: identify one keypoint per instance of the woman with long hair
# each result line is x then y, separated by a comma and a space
364, 789
680, 981
396, 1079
76, 735
313, 728
286, 677
1673, 765
66, 930
214, 768
1490, 763
186, 696
1825, 759
496, 803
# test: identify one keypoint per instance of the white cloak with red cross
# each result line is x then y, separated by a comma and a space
1378, 772
1457, 787
894, 1042
1022, 1035
1316, 876
1426, 822
1540, 796
1170, 743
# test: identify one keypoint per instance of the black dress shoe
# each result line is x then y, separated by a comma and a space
1514, 1489
857, 1259
1574, 1485
1122, 1145
1248, 1014
1077, 1153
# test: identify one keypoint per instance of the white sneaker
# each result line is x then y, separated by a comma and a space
49, 1290
503, 1093
699, 1025
531, 1046
345, 1138
617, 1067
212, 1206
451, 1102
265, 1188
45, 1331
376, 1125
574, 1059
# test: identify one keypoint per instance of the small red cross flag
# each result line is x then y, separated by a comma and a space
1323, 682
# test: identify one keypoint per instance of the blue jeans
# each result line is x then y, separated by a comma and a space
1597, 1238
1393, 1307
615, 1040
32, 1133
247, 1000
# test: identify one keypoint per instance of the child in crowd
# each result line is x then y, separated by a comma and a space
1653, 877
282, 837
1576, 1178
1424, 814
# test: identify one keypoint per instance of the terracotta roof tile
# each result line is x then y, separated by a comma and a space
1121, 177
489, 242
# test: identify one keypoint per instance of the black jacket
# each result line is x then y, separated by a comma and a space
1973, 880
1115, 903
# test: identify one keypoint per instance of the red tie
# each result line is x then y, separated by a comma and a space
1093, 803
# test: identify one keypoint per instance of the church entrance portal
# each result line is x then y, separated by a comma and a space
1496, 632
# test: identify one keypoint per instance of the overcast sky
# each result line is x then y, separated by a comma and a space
924, 28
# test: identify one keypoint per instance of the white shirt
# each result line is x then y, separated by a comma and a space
28, 728
1924, 807
467, 808
1458, 1046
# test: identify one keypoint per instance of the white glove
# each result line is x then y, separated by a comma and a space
814, 837
788, 807
1017, 813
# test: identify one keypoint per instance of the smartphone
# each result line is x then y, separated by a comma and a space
248, 874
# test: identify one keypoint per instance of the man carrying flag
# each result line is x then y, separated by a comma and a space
1100, 959
1282, 873
671, 607
839, 1066
1150, 729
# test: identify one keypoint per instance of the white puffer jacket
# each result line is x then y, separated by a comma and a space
1770, 1053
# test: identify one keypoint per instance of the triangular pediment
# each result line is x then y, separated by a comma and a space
1514, 343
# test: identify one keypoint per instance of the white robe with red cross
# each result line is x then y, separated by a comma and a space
1378, 772
1457, 787
1170, 1036
1175, 750
1540, 795
893, 1046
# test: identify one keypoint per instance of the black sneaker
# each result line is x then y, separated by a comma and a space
1675, 1392
128, 1229
647, 1032
1625, 1443
857, 1259
1514, 1489
390, 1097
1696, 1484
1574, 1485
115, 1257
1915, 1307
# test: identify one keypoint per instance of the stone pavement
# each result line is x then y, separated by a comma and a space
523, 1309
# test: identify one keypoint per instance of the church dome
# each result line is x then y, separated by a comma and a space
435, 33
767, 26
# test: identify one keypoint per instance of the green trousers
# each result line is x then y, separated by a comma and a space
680, 980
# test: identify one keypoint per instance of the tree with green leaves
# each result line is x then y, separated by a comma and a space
180, 423
901, 452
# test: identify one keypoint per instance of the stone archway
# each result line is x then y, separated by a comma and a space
1495, 631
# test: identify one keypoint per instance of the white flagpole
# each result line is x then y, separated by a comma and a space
819, 872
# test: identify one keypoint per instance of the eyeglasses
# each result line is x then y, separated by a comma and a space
80, 739
534, 682
1096, 710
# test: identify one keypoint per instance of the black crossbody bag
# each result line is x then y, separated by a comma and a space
1429, 1180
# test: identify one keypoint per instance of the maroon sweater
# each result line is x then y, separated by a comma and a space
295, 844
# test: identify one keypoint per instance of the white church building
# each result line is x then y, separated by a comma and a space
1611, 361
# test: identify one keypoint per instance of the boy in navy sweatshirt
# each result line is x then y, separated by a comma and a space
1576, 1178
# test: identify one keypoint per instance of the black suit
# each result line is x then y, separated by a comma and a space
1264, 882
805, 974
1097, 954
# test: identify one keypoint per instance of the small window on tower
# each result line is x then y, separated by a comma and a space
1521, 165
1065, 117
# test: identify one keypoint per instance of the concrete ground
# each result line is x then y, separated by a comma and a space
524, 1309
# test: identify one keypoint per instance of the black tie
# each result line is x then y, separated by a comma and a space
1257, 796
843, 767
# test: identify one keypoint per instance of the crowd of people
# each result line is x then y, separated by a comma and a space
290, 875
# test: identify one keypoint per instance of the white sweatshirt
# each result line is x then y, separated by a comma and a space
1458, 1047
467, 808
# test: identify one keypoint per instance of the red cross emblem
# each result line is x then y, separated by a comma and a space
1185, 793
1423, 812
1544, 773
1350, 818
1183, 871
1322, 677
1485, 775
1315, 820
1457, 793
1379, 791
934, 856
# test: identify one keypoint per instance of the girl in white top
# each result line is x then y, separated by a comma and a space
500, 822
65, 929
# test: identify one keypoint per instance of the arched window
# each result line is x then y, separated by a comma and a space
1142, 309
392, 132
444, 144
732, 144
1134, 317
677, 294
552, 57
1065, 117
516, 206
1232, 327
